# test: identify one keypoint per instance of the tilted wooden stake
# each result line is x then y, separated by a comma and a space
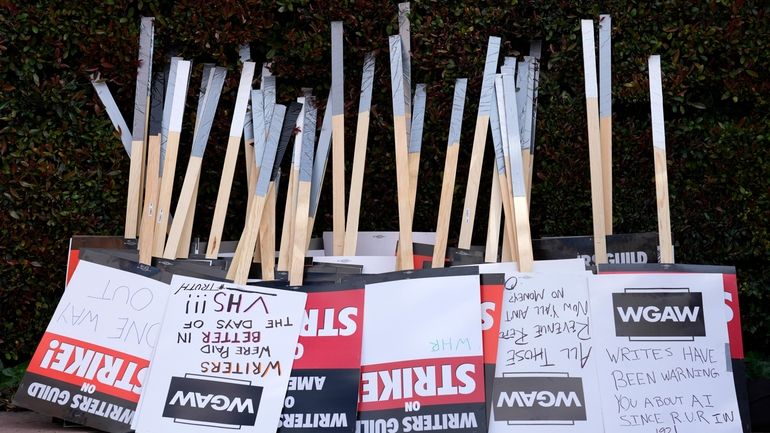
661, 171
605, 113
415, 141
228, 169
359, 157
258, 132
493, 227
297, 266
319, 164
405, 254
239, 268
338, 137
103, 92
188, 194
503, 163
141, 113
520, 206
290, 210
169, 162
152, 180
479, 141
525, 88
450, 170
404, 32
594, 141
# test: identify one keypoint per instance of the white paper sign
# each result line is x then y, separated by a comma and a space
664, 361
224, 358
545, 380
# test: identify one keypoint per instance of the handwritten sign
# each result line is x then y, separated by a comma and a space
323, 388
91, 364
664, 363
223, 359
422, 363
546, 376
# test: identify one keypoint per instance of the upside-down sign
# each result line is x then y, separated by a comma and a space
422, 364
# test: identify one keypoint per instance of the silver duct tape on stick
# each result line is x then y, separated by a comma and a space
228, 169
498, 127
404, 32
450, 171
299, 249
405, 252
502, 155
605, 113
594, 141
168, 103
661, 170
113, 112
479, 141
535, 50
188, 195
139, 129
258, 124
268, 101
321, 158
181, 79
418, 118
359, 157
338, 137
522, 234
239, 269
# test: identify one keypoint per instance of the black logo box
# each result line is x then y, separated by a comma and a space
208, 414
520, 413
659, 299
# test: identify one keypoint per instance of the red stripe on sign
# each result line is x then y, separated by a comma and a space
72, 263
491, 311
80, 363
730, 285
430, 381
331, 331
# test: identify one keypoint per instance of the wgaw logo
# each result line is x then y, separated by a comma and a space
538, 400
212, 401
658, 313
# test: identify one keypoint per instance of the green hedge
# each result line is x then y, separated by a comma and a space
63, 170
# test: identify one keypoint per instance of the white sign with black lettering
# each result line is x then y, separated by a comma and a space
545, 380
223, 359
664, 359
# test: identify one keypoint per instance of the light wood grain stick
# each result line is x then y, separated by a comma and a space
661, 170
479, 141
152, 181
594, 141
299, 250
169, 161
605, 113
415, 141
523, 237
290, 210
359, 157
319, 164
406, 256
241, 264
450, 170
138, 132
188, 194
493, 227
228, 169
502, 157
338, 138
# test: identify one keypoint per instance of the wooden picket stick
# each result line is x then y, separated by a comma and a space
594, 141
359, 157
479, 141
415, 141
450, 170
183, 250
405, 254
493, 227
241, 264
535, 49
661, 170
525, 87
267, 227
141, 117
502, 158
338, 145
169, 162
188, 194
258, 132
113, 112
297, 266
523, 237
605, 113
228, 169
404, 32
290, 209
319, 165
269, 90
152, 181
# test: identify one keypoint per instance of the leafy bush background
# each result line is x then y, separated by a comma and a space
63, 170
